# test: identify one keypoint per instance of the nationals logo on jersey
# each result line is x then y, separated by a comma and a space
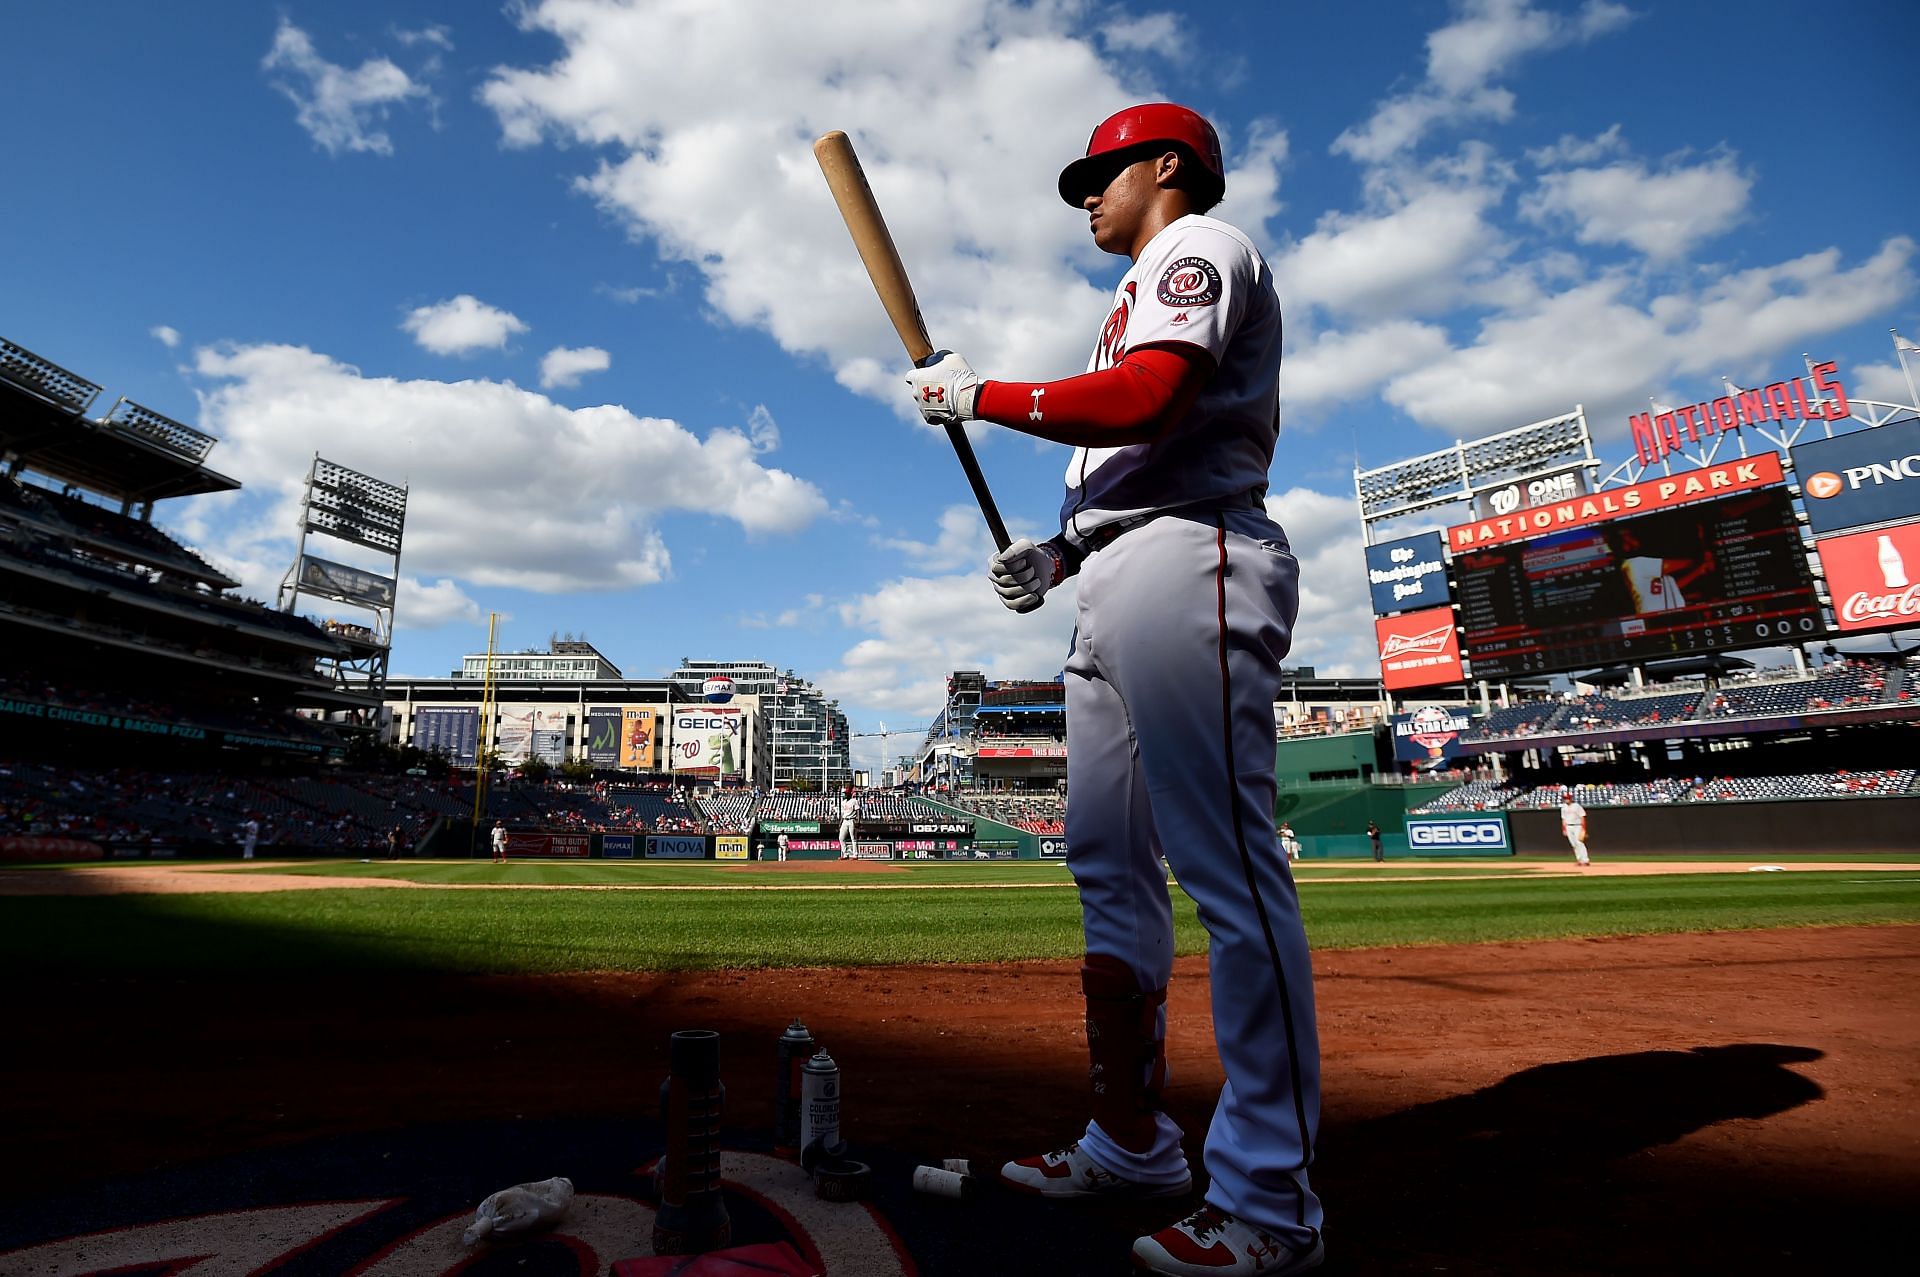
1113, 333
1191, 281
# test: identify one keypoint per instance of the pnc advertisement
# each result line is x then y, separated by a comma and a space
1418, 649
1874, 577
1869, 476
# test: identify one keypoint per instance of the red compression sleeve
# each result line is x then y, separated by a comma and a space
1131, 402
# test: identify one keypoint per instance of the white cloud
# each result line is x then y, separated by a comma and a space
963, 541
422, 605
1419, 256
164, 334
339, 108
1334, 631
922, 628
1161, 33
1597, 343
1571, 150
1486, 39
727, 183
1884, 383
507, 488
437, 34
460, 325
1663, 215
1340, 367
564, 366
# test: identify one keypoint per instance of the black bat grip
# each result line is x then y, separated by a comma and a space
963, 448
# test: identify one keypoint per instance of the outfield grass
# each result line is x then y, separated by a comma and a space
555, 931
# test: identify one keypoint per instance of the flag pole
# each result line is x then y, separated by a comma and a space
1900, 347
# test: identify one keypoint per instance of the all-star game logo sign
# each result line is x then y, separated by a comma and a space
1191, 281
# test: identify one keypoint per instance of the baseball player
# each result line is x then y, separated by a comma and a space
499, 842
1185, 608
782, 841
1573, 823
849, 808
249, 837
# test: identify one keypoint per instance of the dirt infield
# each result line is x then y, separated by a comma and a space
1728, 1103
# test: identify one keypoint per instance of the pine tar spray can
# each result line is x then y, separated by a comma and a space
819, 1112
796, 1044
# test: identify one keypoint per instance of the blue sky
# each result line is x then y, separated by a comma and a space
569, 271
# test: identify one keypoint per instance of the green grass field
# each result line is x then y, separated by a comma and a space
501, 932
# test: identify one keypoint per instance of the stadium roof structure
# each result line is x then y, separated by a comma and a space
133, 453
1660, 671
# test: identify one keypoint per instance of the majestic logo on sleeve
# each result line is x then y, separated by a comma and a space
1191, 281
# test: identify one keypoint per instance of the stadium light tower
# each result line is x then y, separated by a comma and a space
370, 513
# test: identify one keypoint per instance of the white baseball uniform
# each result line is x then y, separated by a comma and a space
1573, 823
849, 808
1185, 608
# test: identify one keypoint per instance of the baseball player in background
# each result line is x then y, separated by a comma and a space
849, 808
1573, 823
249, 837
499, 842
1185, 608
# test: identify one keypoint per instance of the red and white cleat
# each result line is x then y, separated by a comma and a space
1067, 1172
1212, 1243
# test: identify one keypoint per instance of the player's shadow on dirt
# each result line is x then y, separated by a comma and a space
1528, 1164
1560, 1119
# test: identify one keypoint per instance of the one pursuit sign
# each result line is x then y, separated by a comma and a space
1478, 834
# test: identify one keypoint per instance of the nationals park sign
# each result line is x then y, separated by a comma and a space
1722, 479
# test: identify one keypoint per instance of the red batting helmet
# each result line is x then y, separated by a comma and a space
1152, 123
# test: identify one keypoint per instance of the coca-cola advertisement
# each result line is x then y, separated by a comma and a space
1874, 577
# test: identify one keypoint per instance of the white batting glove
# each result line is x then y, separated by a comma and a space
1024, 572
944, 391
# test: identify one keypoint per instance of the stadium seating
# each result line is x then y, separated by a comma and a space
1540, 794
1851, 683
1036, 812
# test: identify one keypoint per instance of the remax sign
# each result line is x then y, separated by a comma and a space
1866, 477
1407, 574
1482, 832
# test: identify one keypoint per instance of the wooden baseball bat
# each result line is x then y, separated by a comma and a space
861, 212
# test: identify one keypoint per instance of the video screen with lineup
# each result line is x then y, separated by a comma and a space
1720, 574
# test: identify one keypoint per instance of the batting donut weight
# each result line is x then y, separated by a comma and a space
841, 1179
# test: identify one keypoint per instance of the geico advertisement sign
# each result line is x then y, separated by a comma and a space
1868, 476
1481, 833
1419, 649
1874, 577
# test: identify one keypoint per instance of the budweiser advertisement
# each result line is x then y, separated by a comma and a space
1874, 577
1419, 649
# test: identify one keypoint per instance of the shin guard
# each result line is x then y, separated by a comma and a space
1127, 1060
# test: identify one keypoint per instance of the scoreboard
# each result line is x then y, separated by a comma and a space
1719, 574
